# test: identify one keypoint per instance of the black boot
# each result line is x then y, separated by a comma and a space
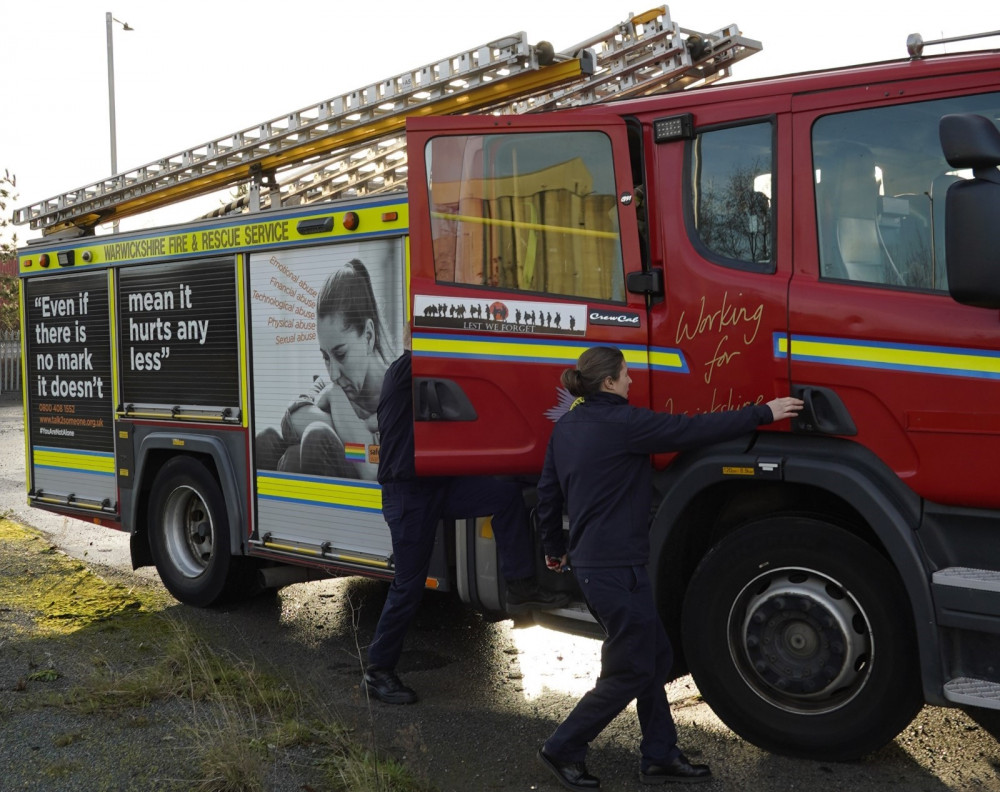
526, 595
679, 769
386, 686
572, 775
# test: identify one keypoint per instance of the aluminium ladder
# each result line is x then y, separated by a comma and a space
352, 144
647, 54
466, 81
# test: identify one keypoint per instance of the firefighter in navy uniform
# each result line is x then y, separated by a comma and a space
597, 461
412, 507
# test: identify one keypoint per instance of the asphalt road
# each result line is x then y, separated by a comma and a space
490, 694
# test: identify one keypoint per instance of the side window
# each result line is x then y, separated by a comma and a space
533, 212
732, 202
880, 181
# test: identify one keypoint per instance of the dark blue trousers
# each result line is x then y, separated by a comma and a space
635, 663
413, 509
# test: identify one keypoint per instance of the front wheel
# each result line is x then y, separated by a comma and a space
799, 636
189, 533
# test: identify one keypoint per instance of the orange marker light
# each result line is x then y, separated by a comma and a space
388, 217
351, 221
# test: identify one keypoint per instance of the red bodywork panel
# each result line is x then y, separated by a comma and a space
510, 374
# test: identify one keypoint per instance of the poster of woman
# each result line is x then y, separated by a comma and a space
325, 324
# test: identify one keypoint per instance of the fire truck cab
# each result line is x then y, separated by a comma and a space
803, 235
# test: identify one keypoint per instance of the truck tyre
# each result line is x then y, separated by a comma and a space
798, 635
189, 533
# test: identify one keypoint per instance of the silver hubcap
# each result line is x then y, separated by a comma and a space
188, 534
800, 641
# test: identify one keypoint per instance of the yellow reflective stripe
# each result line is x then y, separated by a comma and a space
74, 460
241, 330
113, 318
326, 554
533, 350
670, 359
952, 361
490, 348
251, 232
308, 490
636, 357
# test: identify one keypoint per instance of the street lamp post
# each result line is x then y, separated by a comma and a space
109, 19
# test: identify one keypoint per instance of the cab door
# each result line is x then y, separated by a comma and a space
523, 236
720, 223
888, 357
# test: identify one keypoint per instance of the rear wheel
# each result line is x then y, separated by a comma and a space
800, 638
189, 533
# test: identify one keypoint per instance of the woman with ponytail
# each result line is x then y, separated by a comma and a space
597, 463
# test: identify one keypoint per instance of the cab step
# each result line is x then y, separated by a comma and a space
968, 577
973, 692
967, 598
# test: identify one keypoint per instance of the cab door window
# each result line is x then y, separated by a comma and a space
531, 212
732, 201
880, 182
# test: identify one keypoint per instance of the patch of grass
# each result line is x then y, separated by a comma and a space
63, 595
60, 769
43, 675
358, 770
238, 716
249, 719
62, 740
237, 726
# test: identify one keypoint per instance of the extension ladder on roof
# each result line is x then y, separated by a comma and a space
646, 55
351, 142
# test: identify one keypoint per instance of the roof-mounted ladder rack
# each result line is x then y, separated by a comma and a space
468, 80
503, 76
645, 55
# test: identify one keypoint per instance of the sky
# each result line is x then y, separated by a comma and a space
193, 71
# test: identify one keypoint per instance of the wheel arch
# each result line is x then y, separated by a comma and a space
153, 452
828, 478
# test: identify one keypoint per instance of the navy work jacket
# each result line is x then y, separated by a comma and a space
598, 463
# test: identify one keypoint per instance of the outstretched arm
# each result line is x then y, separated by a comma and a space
653, 433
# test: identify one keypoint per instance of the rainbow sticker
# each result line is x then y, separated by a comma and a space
355, 452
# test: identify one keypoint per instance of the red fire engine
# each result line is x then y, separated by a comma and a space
831, 235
